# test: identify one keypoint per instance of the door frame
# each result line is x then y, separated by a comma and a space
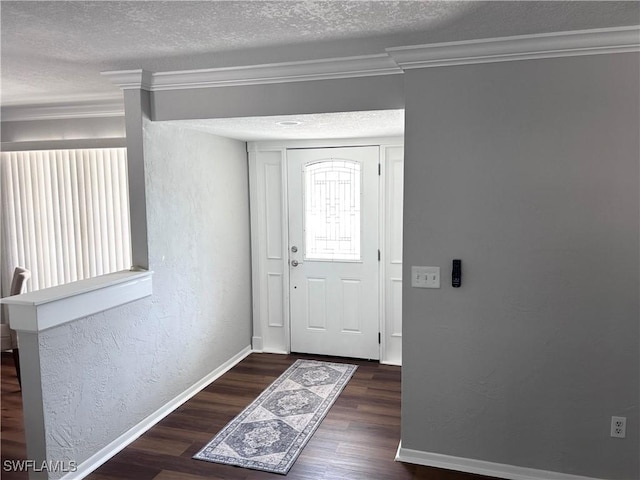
361, 275
268, 191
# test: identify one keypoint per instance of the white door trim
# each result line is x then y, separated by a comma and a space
390, 270
269, 221
268, 218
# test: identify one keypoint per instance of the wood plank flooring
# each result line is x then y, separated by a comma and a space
11, 421
356, 441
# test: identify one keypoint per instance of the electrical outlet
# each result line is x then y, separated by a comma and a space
619, 427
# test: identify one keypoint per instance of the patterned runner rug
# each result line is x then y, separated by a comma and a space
271, 432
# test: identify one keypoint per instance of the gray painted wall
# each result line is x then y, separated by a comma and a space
527, 171
94, 132
104, 374
383, 92
137, 106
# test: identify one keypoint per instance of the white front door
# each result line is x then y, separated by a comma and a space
333, 251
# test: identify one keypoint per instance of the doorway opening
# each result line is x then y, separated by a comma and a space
345, 304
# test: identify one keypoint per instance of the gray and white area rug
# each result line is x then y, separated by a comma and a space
271, 432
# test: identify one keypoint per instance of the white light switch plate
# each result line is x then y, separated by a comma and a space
425, 277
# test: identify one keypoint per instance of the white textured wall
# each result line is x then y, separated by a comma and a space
104, 374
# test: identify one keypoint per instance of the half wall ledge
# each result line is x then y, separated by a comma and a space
50, 307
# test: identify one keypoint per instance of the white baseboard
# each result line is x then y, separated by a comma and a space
480, 467
275, 351
104, 454
256, 343
394, 364
258, 347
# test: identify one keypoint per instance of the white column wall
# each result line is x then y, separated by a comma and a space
106, 374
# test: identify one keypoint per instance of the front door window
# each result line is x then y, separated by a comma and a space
332, 191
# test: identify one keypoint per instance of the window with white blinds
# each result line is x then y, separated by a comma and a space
65, 215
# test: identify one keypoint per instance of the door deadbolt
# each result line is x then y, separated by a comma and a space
294, 249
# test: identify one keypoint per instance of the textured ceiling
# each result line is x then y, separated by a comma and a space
56, 49
53, 51
387, 123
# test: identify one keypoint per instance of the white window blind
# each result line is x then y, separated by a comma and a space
65, 215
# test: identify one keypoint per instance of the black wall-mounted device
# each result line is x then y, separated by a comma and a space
456, 273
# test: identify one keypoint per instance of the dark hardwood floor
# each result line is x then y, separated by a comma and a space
357, 440
11, 422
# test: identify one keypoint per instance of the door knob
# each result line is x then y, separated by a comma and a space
294, 263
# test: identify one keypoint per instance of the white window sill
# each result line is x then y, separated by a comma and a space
50, 307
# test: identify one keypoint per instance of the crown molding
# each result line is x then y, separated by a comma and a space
521, 47
395, 60
331, 68
130, 79
105, 107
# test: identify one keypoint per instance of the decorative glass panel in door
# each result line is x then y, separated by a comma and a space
332, 210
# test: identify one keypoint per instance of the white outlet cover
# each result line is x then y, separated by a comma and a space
619, 427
